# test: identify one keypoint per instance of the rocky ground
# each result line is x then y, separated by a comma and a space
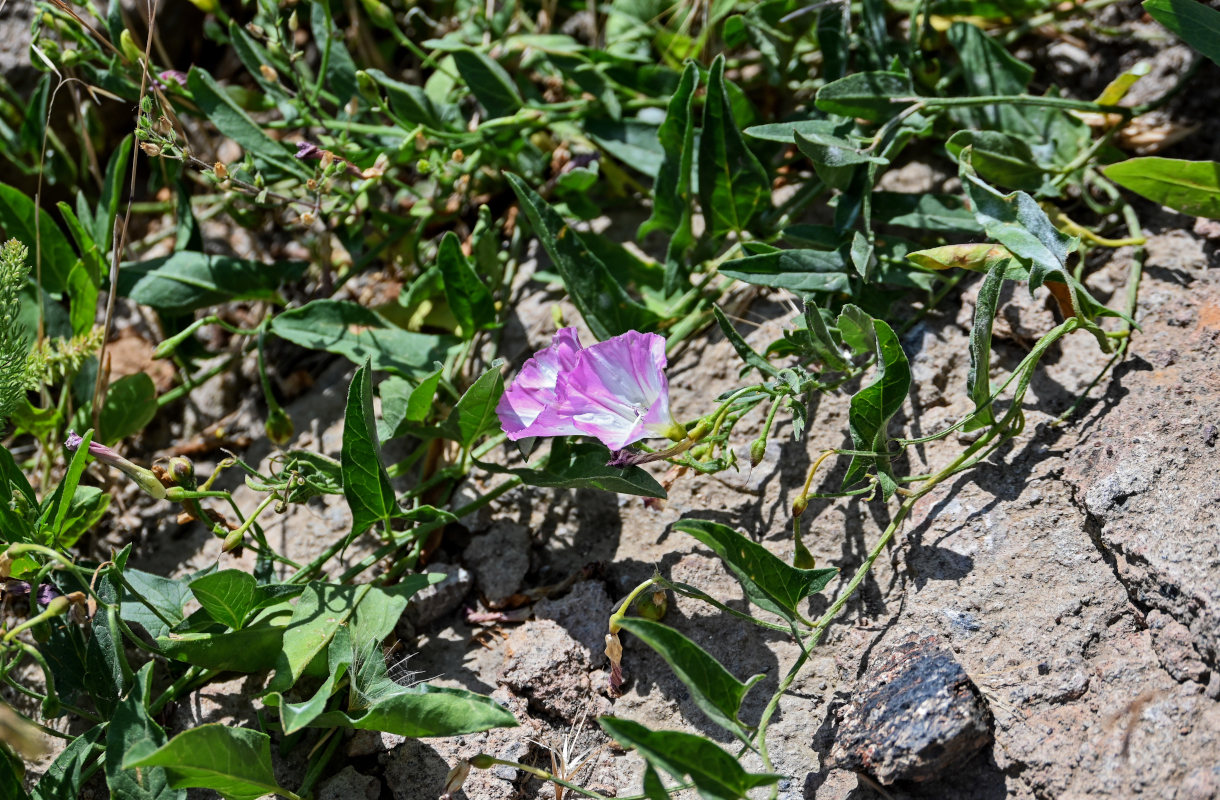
1073, 576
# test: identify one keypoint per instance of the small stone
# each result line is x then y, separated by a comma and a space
499, 558
544, 664
582, 612
430, 604
915, 715
348, 784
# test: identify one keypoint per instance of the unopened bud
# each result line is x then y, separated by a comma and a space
482, 761
6, 564
758, 449
328, 158
220, 170
799, 505
182, 471
150, 149
459, 156
163, 126
278, 426
58, 606
652, 605
293, 22
268, 72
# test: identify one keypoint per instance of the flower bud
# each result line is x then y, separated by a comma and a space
278, 426
799, 505
128, 46
163, 126
150, 149
58, 606
758, 449
482, 761
182, 471
220, 170
268, 72
328, 158
652, 605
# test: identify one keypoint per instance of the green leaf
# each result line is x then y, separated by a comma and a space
361, 335
12, 773
420, 711
715, 773
66, 776
132, 735
769, 583
186, 281
113, 186
323, 608
786, 132
583, 466
978, 379
340, 68
671, 191
1000, 158
796, 270
1194, 22
833, 151
366, 485
475, 412
873, 96
733, 186
229, 595
403, 404
491, 85
469, 299
55, 512
408, 102
820, 340
236, 762
17, 222
989, 70
1019, 223
934, 213
873, 406
1192, 187
167, 596
600, 299
88, 506
748, 354
712, 687
130, 404
82, 295
254, 648
235, 123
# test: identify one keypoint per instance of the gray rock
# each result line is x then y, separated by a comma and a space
430, 604
915, 715
499, 558
544, 664
1151, 504
583, 613
348, 784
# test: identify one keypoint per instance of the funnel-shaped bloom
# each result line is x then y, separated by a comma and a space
618, 391
529, 406
146, 480
615, 390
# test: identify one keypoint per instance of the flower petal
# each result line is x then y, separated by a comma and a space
618, 389
527, 407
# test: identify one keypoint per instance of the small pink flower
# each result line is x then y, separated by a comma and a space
614, 390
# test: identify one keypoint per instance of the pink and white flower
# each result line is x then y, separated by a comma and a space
614, 390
